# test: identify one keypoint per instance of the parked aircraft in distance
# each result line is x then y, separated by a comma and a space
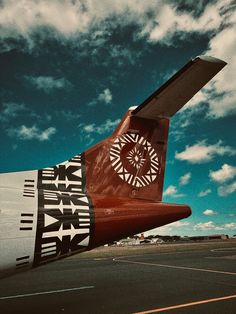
110, 191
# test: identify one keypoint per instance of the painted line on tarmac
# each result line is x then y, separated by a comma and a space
44, 292
175, 267
229, 249
174, 307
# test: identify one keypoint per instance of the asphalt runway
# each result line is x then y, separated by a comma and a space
175, 282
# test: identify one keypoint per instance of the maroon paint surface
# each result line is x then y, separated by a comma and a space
116, 218
100, 175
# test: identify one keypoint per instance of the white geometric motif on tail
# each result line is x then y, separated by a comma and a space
136, 158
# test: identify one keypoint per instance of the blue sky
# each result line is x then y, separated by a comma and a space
71, 69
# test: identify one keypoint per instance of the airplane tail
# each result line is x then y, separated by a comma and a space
110, 191
131, 162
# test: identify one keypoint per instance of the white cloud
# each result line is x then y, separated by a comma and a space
105, 127
172, 191
187, 228
32, 133
185, 179
220, 93
172, 228
203, 152
209, 212
227, 172
68, 19
225, 190
25, 17
205, 226
46, 134
204, 193
158, 21
105, 96
48, 83
231, 225
212, 226
90, 128
222, 100
168, 22
11, 110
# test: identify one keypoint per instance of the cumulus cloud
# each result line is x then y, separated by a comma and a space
222, 99
48, 83
89, 128
185, 178
202, 152
209, 212
67, 20
172, 191
158, 22
169, 22
210, 225
220, 94
105, 127
25, 18
223, 175
225, 190
31, 133
231, 225
204, 193
227, 172
105, 97
187, 227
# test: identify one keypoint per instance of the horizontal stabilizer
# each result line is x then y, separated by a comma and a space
180, 88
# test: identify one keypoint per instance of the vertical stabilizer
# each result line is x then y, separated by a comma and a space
131, 162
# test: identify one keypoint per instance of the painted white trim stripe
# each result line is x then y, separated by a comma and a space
44, 292
49, 249
51, 252
49, 244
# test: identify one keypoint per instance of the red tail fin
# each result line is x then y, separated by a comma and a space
131, 162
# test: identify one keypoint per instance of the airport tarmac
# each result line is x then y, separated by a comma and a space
182, 281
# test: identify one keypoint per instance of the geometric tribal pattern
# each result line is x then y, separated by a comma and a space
141, 154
